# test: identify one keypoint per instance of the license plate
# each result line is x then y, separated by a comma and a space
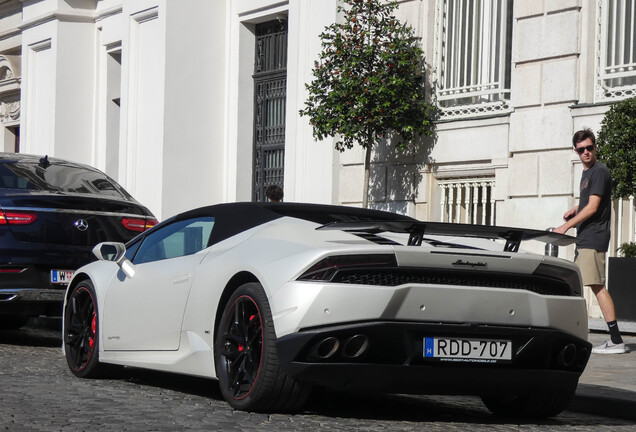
61, 276
467, 350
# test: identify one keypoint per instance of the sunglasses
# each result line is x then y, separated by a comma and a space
580, 150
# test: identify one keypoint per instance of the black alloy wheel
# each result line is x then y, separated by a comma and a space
81, 332
243, 345
246, 359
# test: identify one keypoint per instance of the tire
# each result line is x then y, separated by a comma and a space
535, 405
246, 359
81, 333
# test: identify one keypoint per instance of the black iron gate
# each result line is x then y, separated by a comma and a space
270, 91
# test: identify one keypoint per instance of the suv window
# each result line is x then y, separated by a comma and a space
178, 239
58, 177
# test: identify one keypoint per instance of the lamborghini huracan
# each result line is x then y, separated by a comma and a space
273, 299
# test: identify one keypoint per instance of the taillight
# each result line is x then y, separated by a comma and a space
138, 224
325, 270
12, 270
17, 218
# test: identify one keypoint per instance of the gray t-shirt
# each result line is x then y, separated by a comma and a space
594, 233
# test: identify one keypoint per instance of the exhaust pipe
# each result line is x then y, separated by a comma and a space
327, 347
567, 356
355, 346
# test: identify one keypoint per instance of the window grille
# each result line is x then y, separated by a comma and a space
468, 201
270, 93
616, 49
473, 52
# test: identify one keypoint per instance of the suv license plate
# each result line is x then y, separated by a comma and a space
61, 276
468, 350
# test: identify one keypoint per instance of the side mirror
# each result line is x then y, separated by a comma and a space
109, 251
115, 252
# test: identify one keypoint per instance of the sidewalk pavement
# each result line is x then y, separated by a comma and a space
608, 384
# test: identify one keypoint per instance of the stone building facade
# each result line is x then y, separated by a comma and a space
193, 102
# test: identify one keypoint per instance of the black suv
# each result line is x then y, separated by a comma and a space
52, 212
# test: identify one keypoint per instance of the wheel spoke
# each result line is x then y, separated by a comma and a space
242, 346
72, 338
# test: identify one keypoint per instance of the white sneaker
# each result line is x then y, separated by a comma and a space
608, 347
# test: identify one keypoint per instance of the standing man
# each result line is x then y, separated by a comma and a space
592, 219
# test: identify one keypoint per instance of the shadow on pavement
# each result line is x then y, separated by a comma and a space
204, 387
606, 401
44, 332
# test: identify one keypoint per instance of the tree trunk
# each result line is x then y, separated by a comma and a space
367, 177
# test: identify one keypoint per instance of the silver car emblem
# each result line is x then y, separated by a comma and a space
81, 224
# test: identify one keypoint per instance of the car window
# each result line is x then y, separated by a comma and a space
175, 240
131, 249
58, 177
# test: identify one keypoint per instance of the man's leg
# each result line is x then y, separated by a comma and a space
592, 266
605, 302
607, 308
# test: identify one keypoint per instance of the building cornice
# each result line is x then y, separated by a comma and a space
85, 17
107, 13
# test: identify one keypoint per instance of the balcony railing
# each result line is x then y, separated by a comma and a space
468, 201
616, 49
473, 57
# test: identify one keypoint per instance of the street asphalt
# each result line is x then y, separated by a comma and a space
608, 384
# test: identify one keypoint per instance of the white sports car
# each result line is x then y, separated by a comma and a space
272, 299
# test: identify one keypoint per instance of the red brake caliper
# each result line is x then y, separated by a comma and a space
91, 338
241, 347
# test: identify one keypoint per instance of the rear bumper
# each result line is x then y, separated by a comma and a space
30, 302
393, 359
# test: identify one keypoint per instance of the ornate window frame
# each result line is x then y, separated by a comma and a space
615, 77
270, 102
10, 80
473, 57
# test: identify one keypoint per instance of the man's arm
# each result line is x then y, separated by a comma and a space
586, 212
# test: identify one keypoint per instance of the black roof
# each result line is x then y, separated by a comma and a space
235, 218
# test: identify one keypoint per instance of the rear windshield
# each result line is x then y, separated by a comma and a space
58, 177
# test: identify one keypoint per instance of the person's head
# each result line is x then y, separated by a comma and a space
584, 143
274, 193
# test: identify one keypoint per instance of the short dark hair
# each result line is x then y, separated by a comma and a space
274, 192
582, 135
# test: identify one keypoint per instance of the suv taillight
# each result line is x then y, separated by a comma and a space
17, 218
138, 224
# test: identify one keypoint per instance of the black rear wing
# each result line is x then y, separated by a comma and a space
417, 231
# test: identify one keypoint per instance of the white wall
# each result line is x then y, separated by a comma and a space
144, 75
195, 112
38, 89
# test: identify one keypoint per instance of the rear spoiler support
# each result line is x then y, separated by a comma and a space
417, 231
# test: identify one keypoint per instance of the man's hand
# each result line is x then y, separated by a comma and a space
573, 217
570, 214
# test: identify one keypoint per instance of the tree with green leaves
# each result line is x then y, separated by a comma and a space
616, 143
617, 146
368, 83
